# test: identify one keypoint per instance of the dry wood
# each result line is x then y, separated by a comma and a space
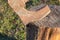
25, 15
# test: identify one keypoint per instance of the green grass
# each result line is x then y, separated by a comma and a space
10, 23
53, 2
32, 3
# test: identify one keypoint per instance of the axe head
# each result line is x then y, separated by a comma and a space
26, 15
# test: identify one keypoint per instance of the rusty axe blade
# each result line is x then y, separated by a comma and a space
25, 15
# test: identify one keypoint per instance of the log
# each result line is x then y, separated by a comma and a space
28, 16
42, 33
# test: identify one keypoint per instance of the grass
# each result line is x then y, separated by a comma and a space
10, 23
32, 3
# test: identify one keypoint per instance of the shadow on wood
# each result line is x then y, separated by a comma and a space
32, 31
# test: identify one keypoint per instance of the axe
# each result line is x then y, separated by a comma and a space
28, 16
